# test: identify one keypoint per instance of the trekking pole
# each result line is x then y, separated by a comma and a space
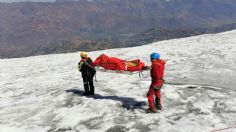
141, 74
95, 78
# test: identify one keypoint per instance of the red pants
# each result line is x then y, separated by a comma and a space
150, 96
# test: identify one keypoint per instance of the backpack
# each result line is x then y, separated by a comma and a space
91, 69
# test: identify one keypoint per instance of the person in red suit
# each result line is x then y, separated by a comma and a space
157, 74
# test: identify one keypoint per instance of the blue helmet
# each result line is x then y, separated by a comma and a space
155, 56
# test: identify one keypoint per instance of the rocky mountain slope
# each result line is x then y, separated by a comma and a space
26, 26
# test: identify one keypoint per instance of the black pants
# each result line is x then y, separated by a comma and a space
88, 85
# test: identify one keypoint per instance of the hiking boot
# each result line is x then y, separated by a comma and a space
91, 93
159, 107
153, 110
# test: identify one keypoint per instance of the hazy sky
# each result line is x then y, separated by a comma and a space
27, 0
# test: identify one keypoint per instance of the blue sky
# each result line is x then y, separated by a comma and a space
27, 0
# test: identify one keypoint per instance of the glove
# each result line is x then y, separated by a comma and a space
156, 88
80, 65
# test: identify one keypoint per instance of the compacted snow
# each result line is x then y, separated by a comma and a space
43, 93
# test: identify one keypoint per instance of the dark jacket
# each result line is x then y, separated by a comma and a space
86, 68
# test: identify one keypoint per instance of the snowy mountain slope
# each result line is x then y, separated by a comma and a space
36, 93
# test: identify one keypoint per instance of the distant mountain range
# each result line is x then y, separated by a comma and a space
27, 27
158, 34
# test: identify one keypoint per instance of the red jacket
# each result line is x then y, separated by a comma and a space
157, 72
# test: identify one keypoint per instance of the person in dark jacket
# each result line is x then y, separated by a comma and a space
157, 74
88, 71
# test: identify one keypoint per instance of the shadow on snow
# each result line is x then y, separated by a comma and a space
127, 102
